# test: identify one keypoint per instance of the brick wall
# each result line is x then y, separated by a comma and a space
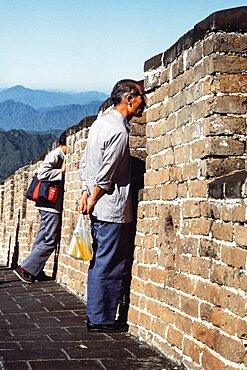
189, 278
189, 274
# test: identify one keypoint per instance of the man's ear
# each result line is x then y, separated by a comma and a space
129, 99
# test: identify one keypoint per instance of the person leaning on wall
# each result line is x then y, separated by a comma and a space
52, 169
105, 168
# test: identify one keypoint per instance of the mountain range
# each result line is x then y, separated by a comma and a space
44, 99
41, 110
21, 116
30, 120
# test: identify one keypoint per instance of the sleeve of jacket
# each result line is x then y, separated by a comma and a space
50, 169
82, 169
114, 153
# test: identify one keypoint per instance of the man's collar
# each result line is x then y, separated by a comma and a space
115, 113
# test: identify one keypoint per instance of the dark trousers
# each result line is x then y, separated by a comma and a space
111, 245
45, 242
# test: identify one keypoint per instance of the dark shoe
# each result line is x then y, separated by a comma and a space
43, 277
117, 327
23, 275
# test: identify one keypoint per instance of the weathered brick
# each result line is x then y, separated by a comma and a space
234, 256
200, 266
183, 263
177, 67
222, 231
159, 327
169, 191
224, 321
157, 275
222, 274
229, 63
229, 104
231, 83
174, 337
183, 190
218, 167
191, 209
167, 315
200, 226
197, 188
217, 146
189, 245
159, 95
169, 296
204, 334
194, 55
224, 42
184, 283
229, 348
206, 310
190, 306
175, 174
233, 301
208, 292
193, 350
183, 323
182, 154
211, 361
190, 171
224, 125
241, 236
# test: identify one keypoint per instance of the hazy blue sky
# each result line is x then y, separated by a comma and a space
81, 45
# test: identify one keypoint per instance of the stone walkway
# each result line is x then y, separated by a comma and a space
43, 326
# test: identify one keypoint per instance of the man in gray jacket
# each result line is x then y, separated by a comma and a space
105, 168
52, 169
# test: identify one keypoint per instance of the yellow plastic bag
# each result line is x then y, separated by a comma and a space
80, 246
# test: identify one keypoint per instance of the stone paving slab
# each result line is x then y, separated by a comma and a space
43, 326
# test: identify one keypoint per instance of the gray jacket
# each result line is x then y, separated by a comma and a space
106, 163
50, 169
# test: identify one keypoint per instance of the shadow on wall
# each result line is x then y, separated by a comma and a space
137, 182
15, 256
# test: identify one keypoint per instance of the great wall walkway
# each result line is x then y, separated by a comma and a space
43, 326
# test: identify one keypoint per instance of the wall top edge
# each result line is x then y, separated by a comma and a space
84, 123
230, 20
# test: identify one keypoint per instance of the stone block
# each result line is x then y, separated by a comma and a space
234, 256
174, 337
224, 125
224, 43
190, 306
222, 231
193, 350
214, 167
241, 236
210, 361
190, 171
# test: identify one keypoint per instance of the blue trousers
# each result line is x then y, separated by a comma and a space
111, 246
45, 242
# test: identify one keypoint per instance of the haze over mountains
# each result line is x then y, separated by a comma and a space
44, 98
30, 120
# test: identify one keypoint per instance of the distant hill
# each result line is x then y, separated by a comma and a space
18, 148
43, 115
22, 116
44, 99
